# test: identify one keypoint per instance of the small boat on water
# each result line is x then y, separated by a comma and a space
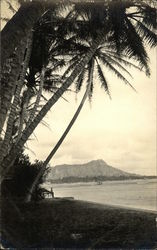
99, 182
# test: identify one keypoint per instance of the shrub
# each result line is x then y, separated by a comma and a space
19, 181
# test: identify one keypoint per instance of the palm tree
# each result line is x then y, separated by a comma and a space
130, 43
12, 53
108, 58
32, 65
54, 150
6, 142
10, 75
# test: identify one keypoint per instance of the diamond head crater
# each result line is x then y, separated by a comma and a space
93, 171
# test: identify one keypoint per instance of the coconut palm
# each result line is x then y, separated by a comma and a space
130, 43
10, 75
54, 150
6, 142
12, 53
39, 57
103, 56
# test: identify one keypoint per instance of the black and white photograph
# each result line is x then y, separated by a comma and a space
78, 163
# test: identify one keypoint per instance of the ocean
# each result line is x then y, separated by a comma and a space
130, 193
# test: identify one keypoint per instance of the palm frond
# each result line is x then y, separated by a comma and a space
45, 124
115, 62
90, 70
70, 68
122, 60
117, 21
115, 71
35, 136
44, 98
90, 93
103, 79
147, 34
59, 65
74, 59
148, 15
67, 71
28, 148
80, 80
61, 96
69, 46
134, 46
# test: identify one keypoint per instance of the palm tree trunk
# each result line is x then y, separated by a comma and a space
10, 158
8, 133
25, 103
18, 27
10, 75
32, 114
54, 150
12, 37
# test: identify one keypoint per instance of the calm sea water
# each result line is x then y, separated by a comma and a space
133, 193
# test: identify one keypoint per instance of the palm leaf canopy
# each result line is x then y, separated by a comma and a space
126, 25
105, 58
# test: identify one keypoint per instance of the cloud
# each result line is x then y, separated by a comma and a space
127, 151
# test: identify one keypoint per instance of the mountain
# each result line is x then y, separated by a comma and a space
93, 170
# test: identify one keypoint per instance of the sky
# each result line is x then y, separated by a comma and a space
121, 131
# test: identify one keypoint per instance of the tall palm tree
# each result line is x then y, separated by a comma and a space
6, 142
33, 62
131, 43
108, 58
54, 150
10, 75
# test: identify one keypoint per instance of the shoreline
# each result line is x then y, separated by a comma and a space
96, 204
138, 196
100, 205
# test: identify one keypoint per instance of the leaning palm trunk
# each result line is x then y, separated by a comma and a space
25, 102
10, 75
10, 158
54, 150
8, 133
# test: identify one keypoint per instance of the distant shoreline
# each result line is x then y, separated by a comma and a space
75, 180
